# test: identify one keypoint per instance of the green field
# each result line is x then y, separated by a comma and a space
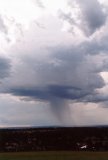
55, 156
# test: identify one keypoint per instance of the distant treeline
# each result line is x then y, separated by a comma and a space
55, 138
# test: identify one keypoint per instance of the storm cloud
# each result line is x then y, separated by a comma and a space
50, 67
50, 92
72, 74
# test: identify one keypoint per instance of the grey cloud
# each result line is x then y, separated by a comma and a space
95, 98
60, 74
93, 47
40, 4
66, 17
70, 73
91, 16
66, 73
40, 25
57, 94
3, 27
33, 93
67, 66
5, 67
70, 67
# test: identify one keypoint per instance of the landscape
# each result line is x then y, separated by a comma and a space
53, 79
54, 143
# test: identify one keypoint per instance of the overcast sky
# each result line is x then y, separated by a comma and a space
53, 62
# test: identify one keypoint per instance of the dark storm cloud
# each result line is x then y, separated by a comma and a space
5, 66
67, 73
70, 72
33, 93
56, 94
66, 92
72, 76
50, 92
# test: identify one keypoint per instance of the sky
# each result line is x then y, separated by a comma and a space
53, 63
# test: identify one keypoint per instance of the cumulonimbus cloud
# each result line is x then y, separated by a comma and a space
60, 73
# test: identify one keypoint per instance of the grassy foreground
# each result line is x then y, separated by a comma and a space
55, 156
